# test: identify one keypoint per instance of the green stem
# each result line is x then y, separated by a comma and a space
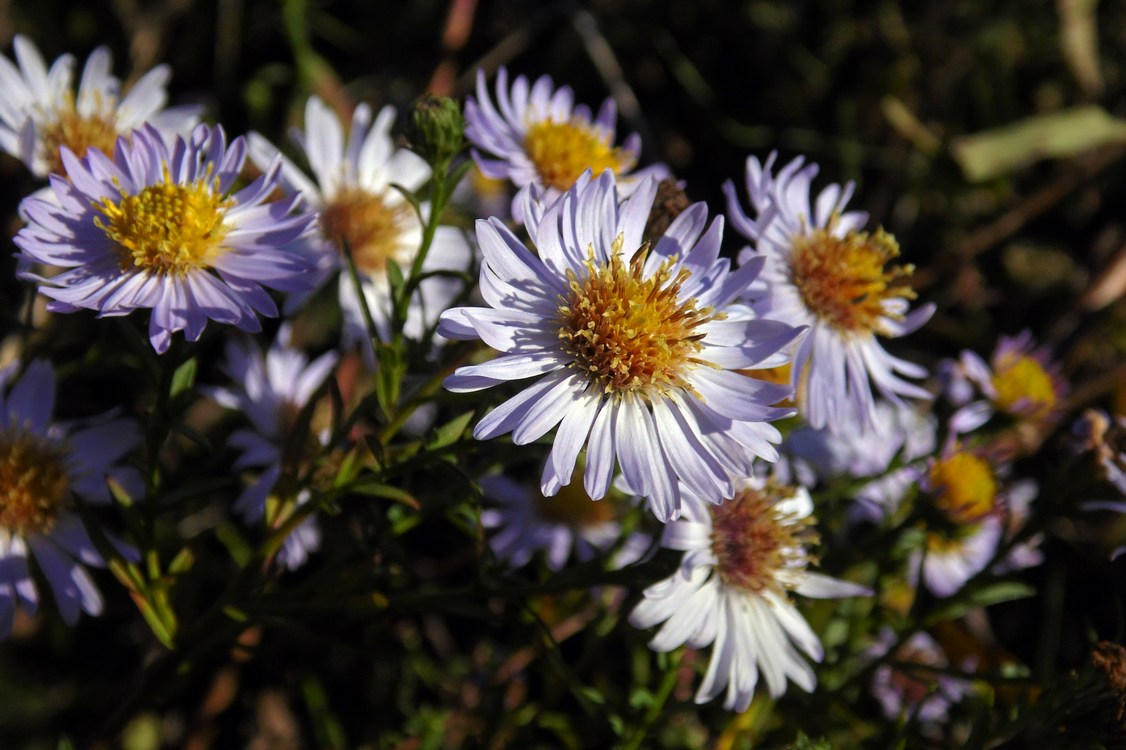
668, 682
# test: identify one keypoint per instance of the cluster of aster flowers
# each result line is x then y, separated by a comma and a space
672, 393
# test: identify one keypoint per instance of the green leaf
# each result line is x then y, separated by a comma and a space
184, 377
993, 153
982, 596
450, 431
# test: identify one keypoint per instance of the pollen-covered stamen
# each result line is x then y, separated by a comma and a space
1023, 386
78, 133
964, 488
374, 230
631, 333
167, 228
562, 151
753, 541
33, 482
572, 507
842, 280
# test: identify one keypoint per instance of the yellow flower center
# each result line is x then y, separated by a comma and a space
167, 228
33, 483
842, 279
632, 333
752, 540
373, 230
78, 133
572, 507
561, 151
964, 487
1020, 379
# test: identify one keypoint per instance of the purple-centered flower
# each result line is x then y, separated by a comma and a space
355, 192
45, 469
271, 391
40, 112
633, 348
162, 228
535, 135
742, 559
824, 272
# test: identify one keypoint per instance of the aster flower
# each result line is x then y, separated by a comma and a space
633, 347
352, 192
1020, 380
535, 135
526, 522
271, 391
741, 561
159, 227
824, 272
906, 435
40, 112
972, 506
45, 468
927, 696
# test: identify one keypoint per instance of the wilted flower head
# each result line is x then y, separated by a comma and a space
633, 347
161, 228
45, 468
271, 391
353, 195
40, 113
536, 135
824, 272
742, 559
1104, 436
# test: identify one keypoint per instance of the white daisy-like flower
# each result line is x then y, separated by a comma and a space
45, 468
352, 192
741, 561
40, 113
160, 227
271, 391
568, 524
633, 347
535, 135
824, 272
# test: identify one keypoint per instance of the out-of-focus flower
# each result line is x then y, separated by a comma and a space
535, 135
1020, 381
271, 391
732, 589
895, 433
352, 192
570, 523
822, 271
633, 346
45, 469
971, 507
160, 228
925, 695
40, 113
1105, 437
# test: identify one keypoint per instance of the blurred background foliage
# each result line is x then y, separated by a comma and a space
985, 136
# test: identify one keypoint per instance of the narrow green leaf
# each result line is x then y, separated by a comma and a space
184, 377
